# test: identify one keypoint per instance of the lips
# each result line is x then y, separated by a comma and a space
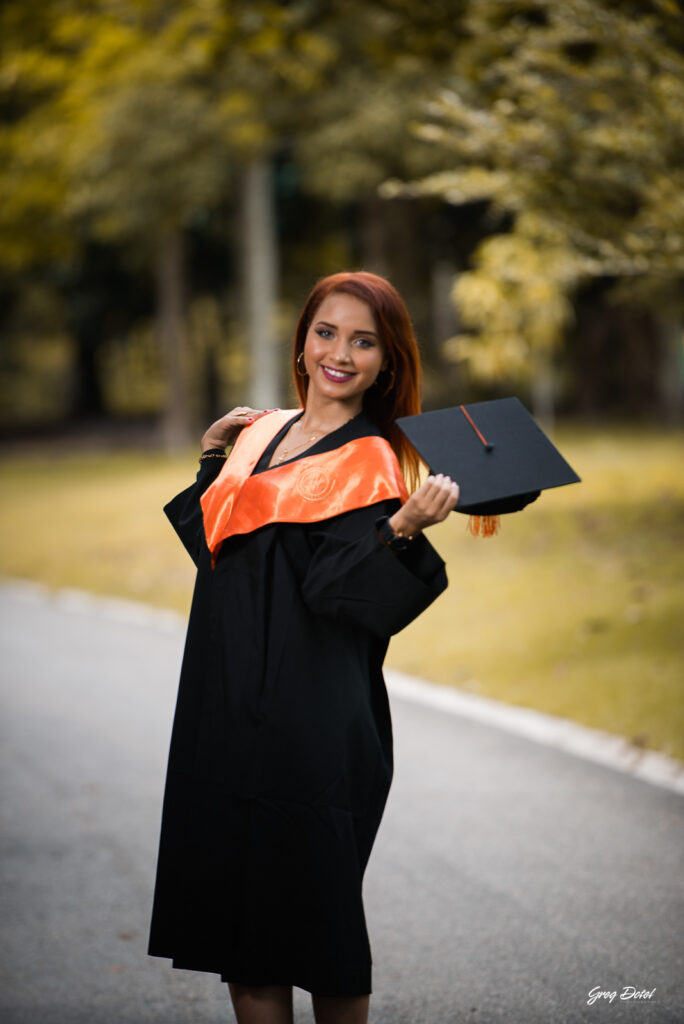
337, 376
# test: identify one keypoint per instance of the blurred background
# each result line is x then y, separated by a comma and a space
175, 176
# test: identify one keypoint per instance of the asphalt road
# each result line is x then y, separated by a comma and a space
509, 880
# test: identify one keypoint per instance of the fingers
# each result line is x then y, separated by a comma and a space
243, 413
436, 498
226, 429
442, 494
431, 503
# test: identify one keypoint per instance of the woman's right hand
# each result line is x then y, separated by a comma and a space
223, 432
430, 504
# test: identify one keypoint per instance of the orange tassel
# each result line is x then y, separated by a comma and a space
484, 526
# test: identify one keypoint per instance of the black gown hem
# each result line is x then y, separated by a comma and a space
356, 983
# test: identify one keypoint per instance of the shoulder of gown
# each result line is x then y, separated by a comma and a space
184, 512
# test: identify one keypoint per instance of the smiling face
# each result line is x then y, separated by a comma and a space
343, 353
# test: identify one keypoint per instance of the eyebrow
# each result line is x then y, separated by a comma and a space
324, 323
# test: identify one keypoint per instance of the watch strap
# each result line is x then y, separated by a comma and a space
393, 540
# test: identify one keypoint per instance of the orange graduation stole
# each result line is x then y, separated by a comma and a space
308, 490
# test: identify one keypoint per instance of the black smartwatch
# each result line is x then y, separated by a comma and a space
394, 541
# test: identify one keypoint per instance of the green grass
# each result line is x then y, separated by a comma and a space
576, 607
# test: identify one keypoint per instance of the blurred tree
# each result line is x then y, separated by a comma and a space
33, 70
132, 123
145, 148
103, 298
158, 110
139, 118
35, 236
569, 118
396, 53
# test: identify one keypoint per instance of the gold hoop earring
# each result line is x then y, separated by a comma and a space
302, 373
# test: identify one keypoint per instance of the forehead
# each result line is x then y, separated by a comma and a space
346, 311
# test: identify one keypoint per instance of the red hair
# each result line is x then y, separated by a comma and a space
397, 392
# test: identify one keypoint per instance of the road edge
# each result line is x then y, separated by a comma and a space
549, 730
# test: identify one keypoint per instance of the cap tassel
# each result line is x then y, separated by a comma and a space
481, 526
484, 526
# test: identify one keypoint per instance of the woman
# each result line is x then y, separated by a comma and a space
310, 554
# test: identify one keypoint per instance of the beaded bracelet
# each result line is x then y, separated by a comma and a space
213, 453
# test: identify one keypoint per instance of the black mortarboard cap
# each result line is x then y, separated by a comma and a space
497, 454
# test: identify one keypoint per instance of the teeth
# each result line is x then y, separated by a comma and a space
337, 373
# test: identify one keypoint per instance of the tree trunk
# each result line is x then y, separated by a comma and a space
446, 375
88, 398
213, 405
445, 321
260, 281
671, 375
373, 241
172, 338
543, 403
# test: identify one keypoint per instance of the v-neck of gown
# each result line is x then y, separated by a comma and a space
359, 426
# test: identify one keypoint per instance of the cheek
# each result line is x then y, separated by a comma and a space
373, 362
311, 345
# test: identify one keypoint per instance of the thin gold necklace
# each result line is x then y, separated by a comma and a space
307, 441
294, 447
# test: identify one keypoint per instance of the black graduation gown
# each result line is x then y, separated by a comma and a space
281, 752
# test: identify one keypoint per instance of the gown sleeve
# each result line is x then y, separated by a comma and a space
353, 575
185, 512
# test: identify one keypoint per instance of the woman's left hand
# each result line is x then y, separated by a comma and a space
430, 504
226, 429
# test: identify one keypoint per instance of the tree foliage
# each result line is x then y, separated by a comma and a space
394, 55
124, 119
569, 119
128, 123
33, 70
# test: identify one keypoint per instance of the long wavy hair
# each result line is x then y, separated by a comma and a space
397, 390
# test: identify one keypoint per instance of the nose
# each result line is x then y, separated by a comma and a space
341, 351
